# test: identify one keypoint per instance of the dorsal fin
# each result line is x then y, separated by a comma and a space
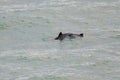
60, 33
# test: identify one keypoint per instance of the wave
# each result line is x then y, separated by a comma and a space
58, 4
34, 6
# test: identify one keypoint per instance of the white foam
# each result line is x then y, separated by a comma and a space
22, 78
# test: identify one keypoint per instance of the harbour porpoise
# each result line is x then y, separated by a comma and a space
62, 36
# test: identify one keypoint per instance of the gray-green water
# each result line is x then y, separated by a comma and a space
28, 50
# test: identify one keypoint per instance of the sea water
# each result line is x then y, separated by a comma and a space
28, 50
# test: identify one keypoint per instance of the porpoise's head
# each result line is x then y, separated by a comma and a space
81, 35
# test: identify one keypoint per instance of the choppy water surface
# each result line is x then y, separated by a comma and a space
28, 50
